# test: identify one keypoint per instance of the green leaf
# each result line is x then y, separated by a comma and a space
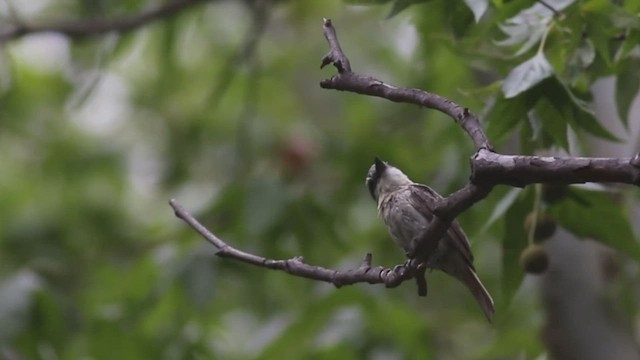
585, 118
528, 26
595, 215
623, 20
514, 241
400, 5
526, 75
460, 19
576, 111
604, 21
505, 113
601, 39
478, 7
553, 122
627, 84
630, 43
502, 207
521, 31
581, 59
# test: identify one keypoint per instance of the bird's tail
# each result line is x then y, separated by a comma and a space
461, 270
478, 290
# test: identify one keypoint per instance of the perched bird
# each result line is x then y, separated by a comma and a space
407, 209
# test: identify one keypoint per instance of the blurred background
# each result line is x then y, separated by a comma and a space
218, 105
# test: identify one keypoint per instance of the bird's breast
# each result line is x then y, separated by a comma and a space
403, 221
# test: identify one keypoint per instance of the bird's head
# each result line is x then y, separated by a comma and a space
384, 178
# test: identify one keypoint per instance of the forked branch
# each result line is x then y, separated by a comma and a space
488, 169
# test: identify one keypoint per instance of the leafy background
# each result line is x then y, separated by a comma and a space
219, 107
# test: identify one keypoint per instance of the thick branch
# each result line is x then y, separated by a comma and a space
516, 170
489, 169
94, 27
296, 266
350, 81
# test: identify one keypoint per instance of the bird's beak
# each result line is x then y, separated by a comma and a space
380, 165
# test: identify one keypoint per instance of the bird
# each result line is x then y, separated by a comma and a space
406, 208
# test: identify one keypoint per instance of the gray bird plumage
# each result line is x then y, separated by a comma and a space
406, 208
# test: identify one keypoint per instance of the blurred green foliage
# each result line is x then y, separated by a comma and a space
219, 107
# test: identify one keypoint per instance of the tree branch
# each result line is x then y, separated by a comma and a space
346, 80
335, 55
365, 273
94, 27
491, 168
445, 211
488, 169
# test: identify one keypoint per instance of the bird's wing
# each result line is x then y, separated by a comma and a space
423, 199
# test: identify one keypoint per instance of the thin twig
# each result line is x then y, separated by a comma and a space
555, 12
94, 27
335, 55
346, 80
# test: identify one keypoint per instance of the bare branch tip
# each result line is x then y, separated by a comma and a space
177, 208
326, 60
